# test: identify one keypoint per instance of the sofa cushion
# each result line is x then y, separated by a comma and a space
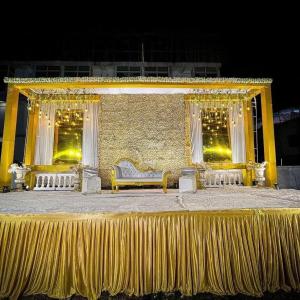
150, 174
129, 172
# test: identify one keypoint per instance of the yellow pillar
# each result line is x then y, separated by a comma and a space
249, 139
9, 133
31, 132
268, 136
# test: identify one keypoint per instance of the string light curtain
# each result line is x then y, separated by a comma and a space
45, 135
90, 135
196, 133
237, 133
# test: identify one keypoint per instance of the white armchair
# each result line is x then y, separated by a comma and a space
125, 173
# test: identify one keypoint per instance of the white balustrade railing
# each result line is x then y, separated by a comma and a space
54, 182
220, 178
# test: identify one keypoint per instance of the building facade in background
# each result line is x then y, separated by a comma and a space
36, 69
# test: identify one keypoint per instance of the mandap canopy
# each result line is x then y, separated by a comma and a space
63, 118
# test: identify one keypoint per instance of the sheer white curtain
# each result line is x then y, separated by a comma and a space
45, 135
237, 134
90, 136
196, 133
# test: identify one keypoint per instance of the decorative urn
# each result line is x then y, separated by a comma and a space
20, 172
260, 174
259, 170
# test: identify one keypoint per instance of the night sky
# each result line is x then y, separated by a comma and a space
247, 45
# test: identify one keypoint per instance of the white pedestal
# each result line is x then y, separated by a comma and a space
187, 184
91, 185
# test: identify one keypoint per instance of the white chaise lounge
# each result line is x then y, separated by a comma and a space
126, 173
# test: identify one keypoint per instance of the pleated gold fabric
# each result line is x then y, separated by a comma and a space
222, 252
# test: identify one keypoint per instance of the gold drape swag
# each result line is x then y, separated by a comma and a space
222, 252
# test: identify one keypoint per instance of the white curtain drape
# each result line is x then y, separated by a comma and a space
45, 135
196, 133
237, 134
90, 135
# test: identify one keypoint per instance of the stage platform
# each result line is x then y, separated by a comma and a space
223, 241
148, 200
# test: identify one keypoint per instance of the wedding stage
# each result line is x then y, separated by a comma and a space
225, 240
219, 240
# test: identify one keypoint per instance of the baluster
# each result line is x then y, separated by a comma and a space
52, 183
37, 177
55, 183
43, 181
239, 178
48, 181
61, 181
65, 182
208, 178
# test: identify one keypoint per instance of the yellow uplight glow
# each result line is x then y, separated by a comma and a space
70, 153
217, 149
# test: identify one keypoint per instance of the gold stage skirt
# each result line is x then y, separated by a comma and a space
223, 252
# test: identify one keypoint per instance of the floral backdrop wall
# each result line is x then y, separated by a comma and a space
148, 129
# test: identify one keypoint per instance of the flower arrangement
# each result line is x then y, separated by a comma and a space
13, 168
140, 79
17, 167
251, 165
203, 165
259, 169
20, 170
77, 168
